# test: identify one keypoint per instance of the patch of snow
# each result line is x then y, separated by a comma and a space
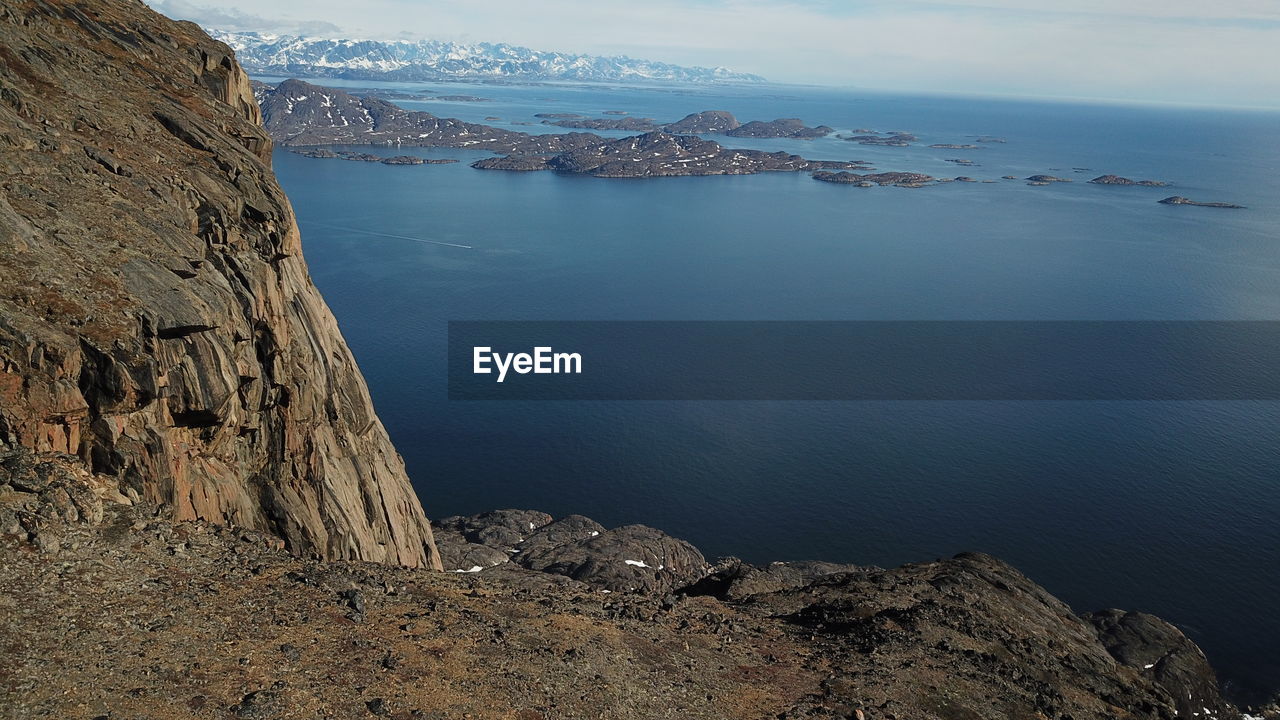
474, 569
637, 563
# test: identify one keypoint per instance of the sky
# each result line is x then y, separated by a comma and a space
1198, 52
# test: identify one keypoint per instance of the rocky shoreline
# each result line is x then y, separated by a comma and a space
226, 621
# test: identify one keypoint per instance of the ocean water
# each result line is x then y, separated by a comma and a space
1165, 507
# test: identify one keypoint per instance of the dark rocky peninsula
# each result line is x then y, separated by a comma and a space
1179, 200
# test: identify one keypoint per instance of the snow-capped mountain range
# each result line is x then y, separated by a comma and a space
434, 60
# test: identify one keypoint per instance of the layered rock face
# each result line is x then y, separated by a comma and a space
157, 322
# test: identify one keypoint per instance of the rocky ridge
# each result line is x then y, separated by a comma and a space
192, 620
158, 328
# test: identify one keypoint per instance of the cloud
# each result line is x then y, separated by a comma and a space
233, 18
1172, 50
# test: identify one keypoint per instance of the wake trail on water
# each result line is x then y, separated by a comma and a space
389, 235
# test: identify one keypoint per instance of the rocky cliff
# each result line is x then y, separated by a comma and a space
159, 332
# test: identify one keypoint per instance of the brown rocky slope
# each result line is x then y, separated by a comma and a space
156, 316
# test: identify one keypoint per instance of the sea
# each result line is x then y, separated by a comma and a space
1169, 507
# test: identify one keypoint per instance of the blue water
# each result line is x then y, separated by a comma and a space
1167, 507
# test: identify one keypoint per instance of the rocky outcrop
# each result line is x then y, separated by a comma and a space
159, 332
660, 154
326, 154
899, 179
968, 637
628, 124
663, 154
1117, 180
1161, 652
1179, 200
633, 558
780, 128
707, 121
297, 113
893, 139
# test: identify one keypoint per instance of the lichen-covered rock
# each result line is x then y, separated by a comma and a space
731, 579
1160, 651
632, 558
157, 320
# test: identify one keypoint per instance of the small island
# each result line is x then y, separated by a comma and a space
1179, 200
1117, 180
897, 179
324, 153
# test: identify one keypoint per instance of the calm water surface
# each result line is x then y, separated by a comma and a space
1170, 508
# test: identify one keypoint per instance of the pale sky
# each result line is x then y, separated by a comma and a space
1214, 52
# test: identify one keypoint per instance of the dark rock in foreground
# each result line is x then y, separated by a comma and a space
633, 558
1117, 180
528, 625
1160, 651
1179, 200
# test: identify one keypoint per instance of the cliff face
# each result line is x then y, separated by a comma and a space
157, 320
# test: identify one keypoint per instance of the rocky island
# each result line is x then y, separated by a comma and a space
700, 123
322, 153
203, 517
660, 154
899, 179
1179, 200
1117, 180
893, 139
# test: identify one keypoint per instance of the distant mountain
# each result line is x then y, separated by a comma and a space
433, 60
